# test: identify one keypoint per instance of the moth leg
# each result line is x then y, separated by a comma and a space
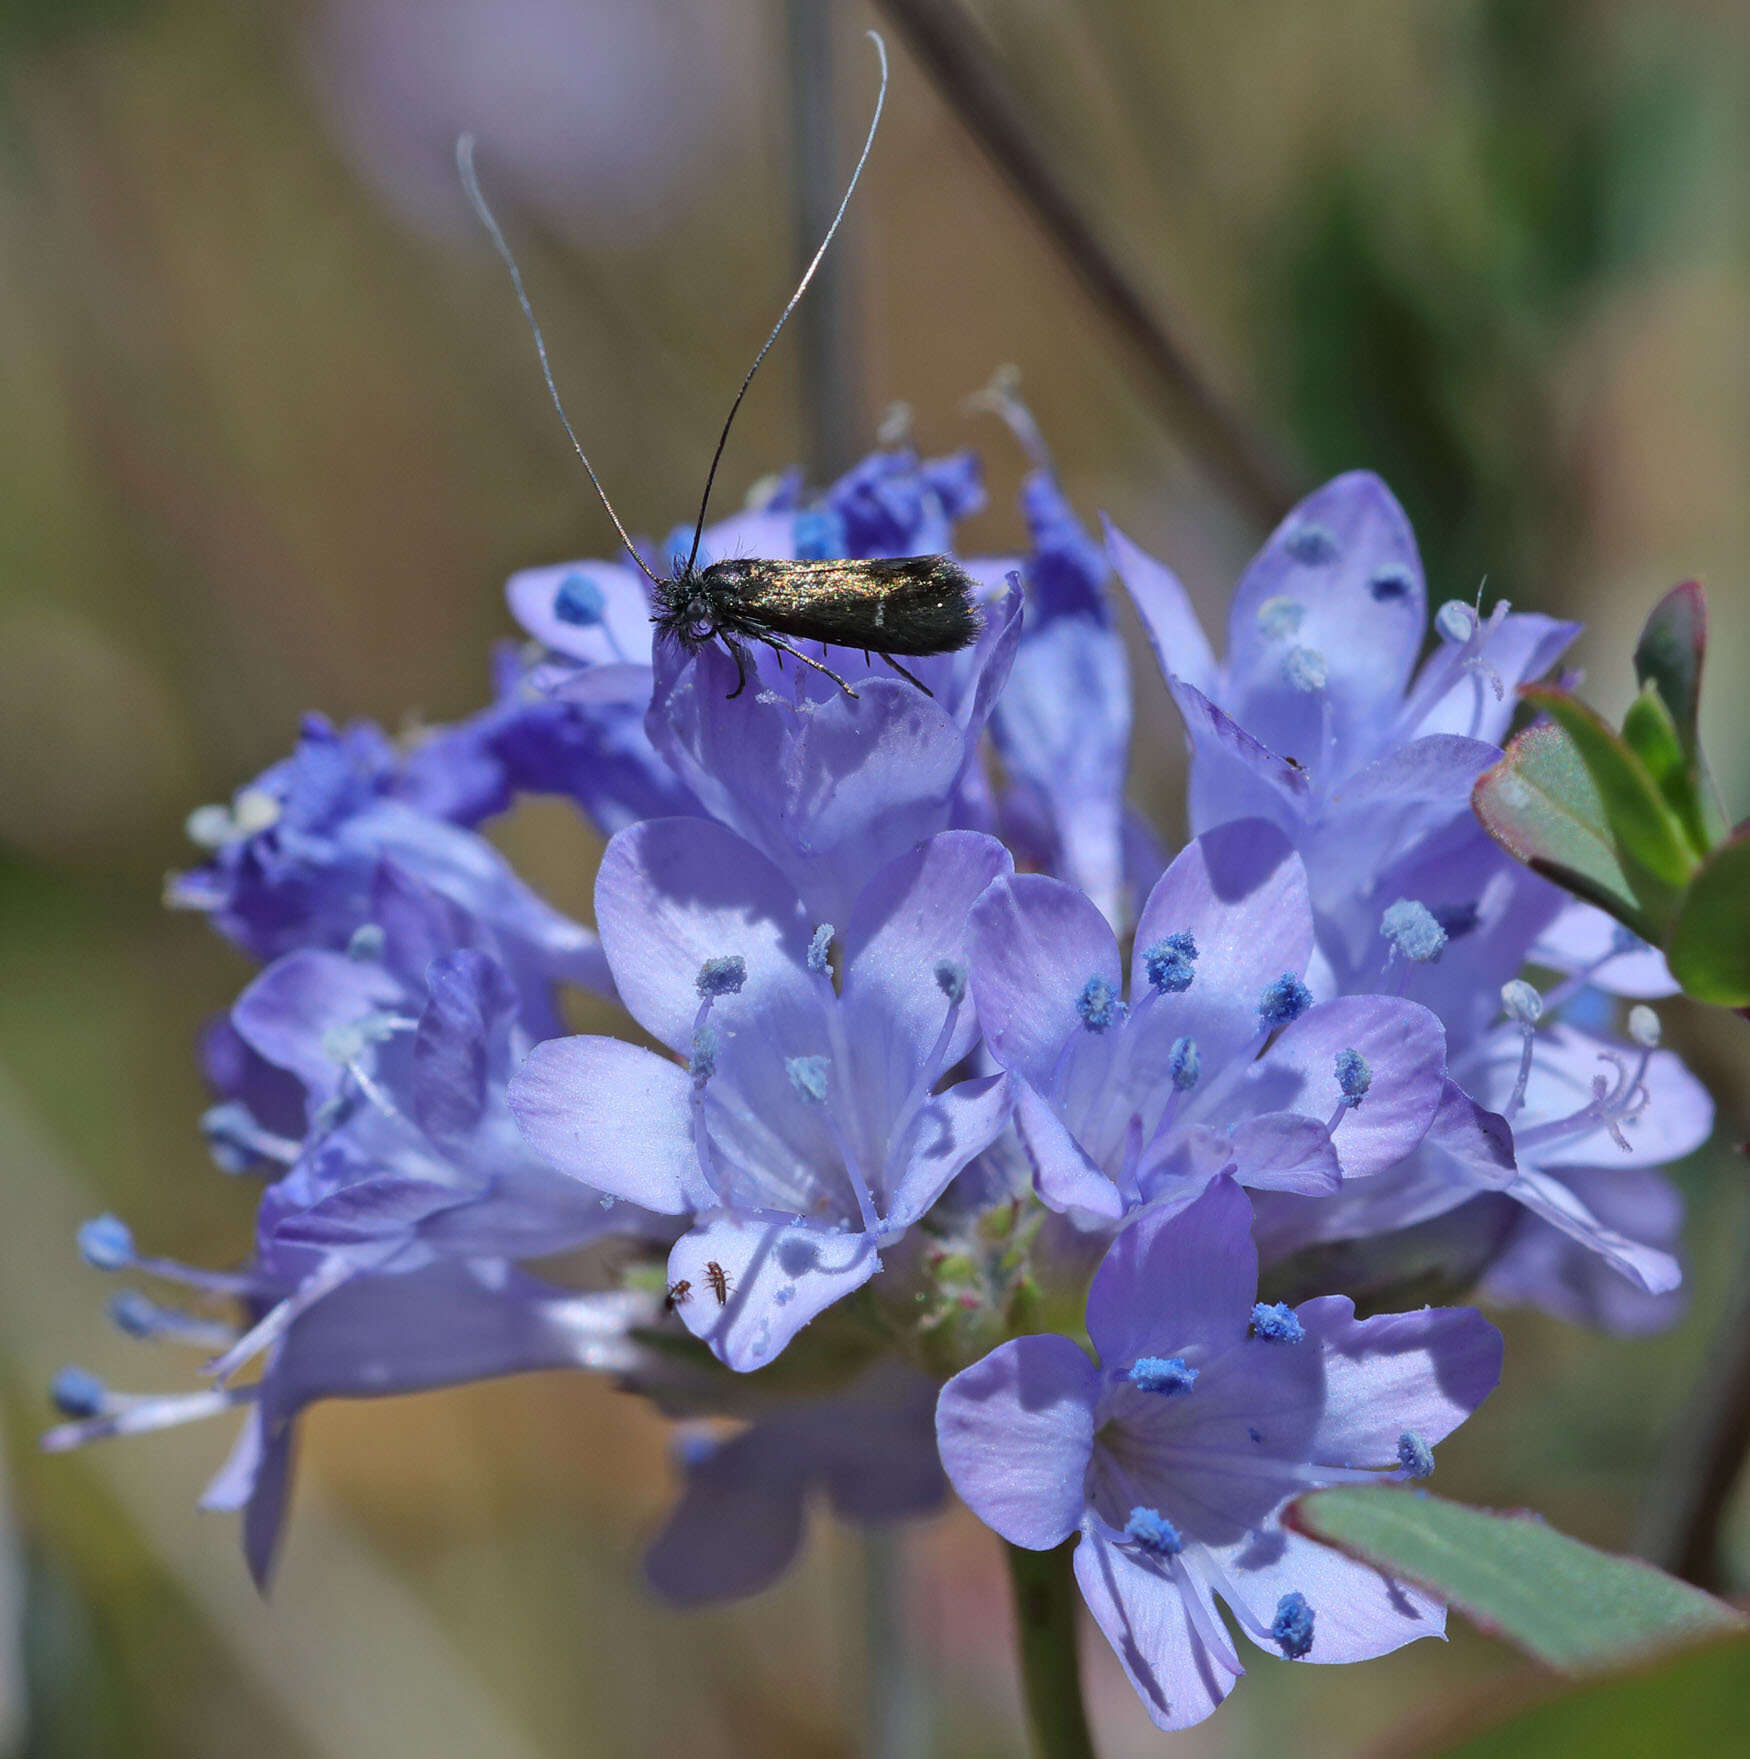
783, 647
738, 653
910, 677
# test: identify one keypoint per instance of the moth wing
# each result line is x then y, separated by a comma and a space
895, 605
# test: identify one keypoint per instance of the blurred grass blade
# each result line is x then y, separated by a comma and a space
1648, 842
1564, 1604
1697, 1701
1541, 804
1708, 947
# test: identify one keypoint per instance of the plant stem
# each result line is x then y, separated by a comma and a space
1045, 1633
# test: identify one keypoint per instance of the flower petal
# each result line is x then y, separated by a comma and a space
1016, 1433
777, 1276
951, 1128
1067, 1180
1166, 611
614, 1115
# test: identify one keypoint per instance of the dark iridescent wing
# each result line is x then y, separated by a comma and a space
903, 605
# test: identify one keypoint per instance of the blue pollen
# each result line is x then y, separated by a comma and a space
1167, 1375
1279, 618
951, 980
702, 1065
819, 947
367, 942
1412, 928
1312, 545
818, 534
1415, 1455
134, 1313
808, 1077
1284, 1000
722, 976
1304, 669
579, 601
106, 1242
1277, 1323
1354, 1075
75, 1392
230, 1130
1390, 585
1292, 1627
1099, 1005
1169, 963
1184, 1064
1154, 1532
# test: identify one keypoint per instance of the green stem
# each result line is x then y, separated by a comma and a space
1045, 1630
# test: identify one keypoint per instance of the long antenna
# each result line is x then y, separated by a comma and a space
801, 288
471, 184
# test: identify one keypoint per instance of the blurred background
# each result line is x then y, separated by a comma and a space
271, 437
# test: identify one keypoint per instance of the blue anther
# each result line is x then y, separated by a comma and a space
579, 601
1170, 1376
1413, 930
1169, 962
1277, 1323
1415, 1455
1284, 1001
75, 1392
951, 980
1390, 584
1184, 1064
808, 1076
1154, 1532
1292, 1626
722, 976
1312, 545
1280, 618
820, 947
1304, 669
367, 942
106, 1243
1099, 1005
1354, 1075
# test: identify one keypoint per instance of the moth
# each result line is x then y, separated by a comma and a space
911, 605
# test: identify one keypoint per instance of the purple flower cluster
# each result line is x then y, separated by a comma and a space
944, 1070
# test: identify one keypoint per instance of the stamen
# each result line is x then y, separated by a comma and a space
141, 1317
808, 1075
1170, 1376
1099, 1005
1413, 931
951, 980
1354, 1076
238, 1144
1169, 963
702, 1064
721, 976
1415, 1456
367, 942
1312, 545
1280, 618
1150, 1529
1184, 1064
128, 1415
1391, 584
579, 601
1456, 621
820, 949
1277, 1323
1643, 1026
77, 1393
1283, 1001
1304, 669
273, 1325
106, 1242
1292, 1627
1613, 1103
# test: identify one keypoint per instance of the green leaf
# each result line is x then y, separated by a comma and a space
1708, 945
1696, 1701
1669, 658
1563, 1603
1669, 655
1650, 733
1542, 806
1647, 839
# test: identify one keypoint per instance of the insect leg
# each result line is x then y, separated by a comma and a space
783, 647
738, 653
910, 677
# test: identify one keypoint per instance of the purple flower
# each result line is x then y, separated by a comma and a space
871, 1450
295, 857
1175, 1481
1122, 1103
372, 1338
1319, 718
799, 1125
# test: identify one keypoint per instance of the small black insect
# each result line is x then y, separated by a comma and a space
718, 1278
912, 605
677, 1294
